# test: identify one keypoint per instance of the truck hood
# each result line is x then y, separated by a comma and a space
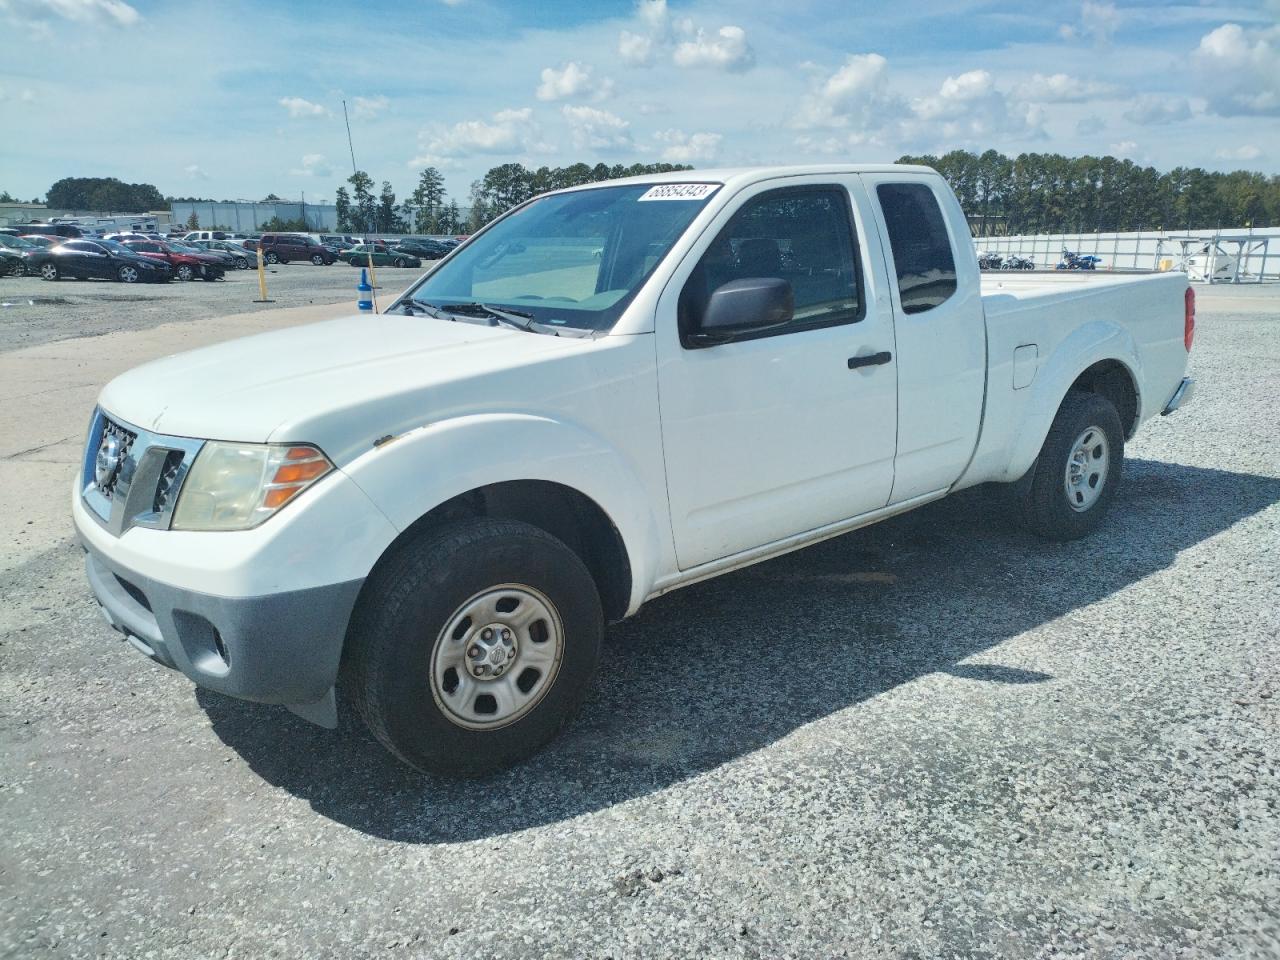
315, 383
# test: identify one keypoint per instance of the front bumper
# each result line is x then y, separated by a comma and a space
1181, 397
278, 648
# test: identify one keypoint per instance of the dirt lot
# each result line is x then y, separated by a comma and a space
33, 311
938, 737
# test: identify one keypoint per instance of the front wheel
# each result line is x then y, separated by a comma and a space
184, 272
473, 644
272, 258
49, 271
242, 263
318, 260
400, 262
128, 274
1078, 471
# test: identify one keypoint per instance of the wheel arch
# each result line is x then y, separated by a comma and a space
1099, 357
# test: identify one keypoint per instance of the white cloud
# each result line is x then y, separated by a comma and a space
313, 165
1239, 70
728, 51
687, 44
572, 81
95, 12
970, 108
194, 172
1247, 152
1151, 109
691, 148
369, 107
509, 131
857, 95
595, 129
23, 96
1064, 88
1125, 148
298, 107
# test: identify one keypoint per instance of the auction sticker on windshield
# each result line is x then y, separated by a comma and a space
680, 191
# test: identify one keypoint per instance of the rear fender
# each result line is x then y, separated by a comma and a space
1092, 343
409, 475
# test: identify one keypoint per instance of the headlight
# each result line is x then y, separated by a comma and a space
235, 486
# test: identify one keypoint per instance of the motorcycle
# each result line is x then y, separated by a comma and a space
1074, 261
989, 261
1015, 262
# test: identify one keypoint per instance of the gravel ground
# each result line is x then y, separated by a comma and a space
34, 311
937, 737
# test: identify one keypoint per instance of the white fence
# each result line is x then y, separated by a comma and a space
1141, 250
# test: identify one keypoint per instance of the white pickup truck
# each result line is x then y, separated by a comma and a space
609, 392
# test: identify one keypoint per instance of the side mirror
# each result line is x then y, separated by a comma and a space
741, 308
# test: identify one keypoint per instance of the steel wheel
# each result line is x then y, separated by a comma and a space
128, 274
48, 271
496, 657
1086, 472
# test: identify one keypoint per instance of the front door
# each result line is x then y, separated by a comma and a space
780, 434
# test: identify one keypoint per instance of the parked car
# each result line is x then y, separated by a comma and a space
241, 257
285, 247
44, 241
219, 257
65, 230
12, 263
17, 247
338, 242
191, 235
96, 259
454, 515
426, 249
186, 264
382, 256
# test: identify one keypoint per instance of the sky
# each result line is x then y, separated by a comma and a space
233, 100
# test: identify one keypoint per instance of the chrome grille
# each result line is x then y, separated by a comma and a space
166, 486
126, 439
141, 474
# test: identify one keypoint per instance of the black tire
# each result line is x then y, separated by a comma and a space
1047, 498
400, 262
184, 272
50, 271
318, 260
128, 274
271, 256
415, 592
242, 263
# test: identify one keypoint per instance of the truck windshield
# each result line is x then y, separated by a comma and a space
569, 259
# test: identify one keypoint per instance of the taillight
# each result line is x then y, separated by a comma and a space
1189, 318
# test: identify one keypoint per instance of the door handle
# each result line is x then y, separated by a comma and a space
870, 360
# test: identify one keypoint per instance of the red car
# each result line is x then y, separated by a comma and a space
186, 265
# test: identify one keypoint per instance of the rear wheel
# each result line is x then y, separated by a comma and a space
242, 263
128, 274
400, 262
1078, 471
473, 645
49, 271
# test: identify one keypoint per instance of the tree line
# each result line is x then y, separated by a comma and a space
428, 210
1052, 193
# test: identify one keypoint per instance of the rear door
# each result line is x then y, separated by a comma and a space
939, 326
773, 436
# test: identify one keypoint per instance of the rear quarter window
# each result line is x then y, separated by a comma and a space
922, 255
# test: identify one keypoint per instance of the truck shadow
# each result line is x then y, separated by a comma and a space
723, 668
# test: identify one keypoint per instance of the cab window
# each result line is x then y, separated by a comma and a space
921, 247
803, 235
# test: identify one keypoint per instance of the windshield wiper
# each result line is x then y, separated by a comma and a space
512, 318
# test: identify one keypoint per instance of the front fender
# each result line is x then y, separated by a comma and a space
1092, 343
408, 476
